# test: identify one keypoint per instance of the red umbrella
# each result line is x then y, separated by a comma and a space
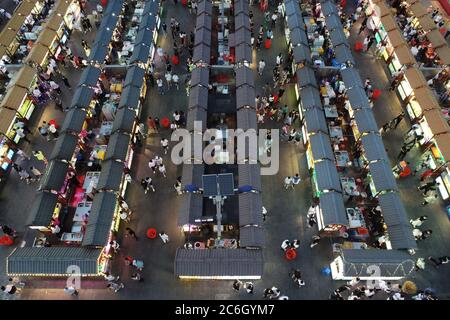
175, 60
290, 254
104, 3
6, 240
165, 122
268, 43
358, 46
151, 233
376, 94
183, 2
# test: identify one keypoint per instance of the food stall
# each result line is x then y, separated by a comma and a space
38, 55
18, 99
7, 117
49, 39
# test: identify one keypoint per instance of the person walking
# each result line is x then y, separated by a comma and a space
286, 244
429, 199
9, 231
264, 213
296, 275
418, 222
165, 145
137, 277
110, 278
403, 151
152, 165
177, 186
288, 183
439, 261
40, 156
151, 125
160, 85
115, 286
162, 169
237, 285
249, 287
261, 66
147, 183
314, 241
71, 291
164, 237
296, 180
397, 120
130, 233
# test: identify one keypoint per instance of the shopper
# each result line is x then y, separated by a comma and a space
249, 287
285, 245
296, 180
162, 169
315, 241
439, 261
165, 145
177, 186
261, 66
130, 233
110, 278
164, 237
40, 156
115, 286
237, 285
71, 291
288, 183
147, 184
264, 213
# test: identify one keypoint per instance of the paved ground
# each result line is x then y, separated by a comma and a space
286, 209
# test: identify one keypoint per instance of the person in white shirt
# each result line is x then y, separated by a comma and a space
164, 237
279, 59
152, 165
165, 145
158, 160
168, 79
286, 244
264, 213
162, 169
175, 80
354, 281
160, 85
288, 182
261, 66
109, 277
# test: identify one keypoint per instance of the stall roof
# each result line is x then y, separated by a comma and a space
151, 7
244, 75
246, 119
310, 97
241, 20
382, 176
250, 208
295, 21
2, 50
124, 121
46, 37
426, 99
338, 38
110, 176
98, 53
89, 76
235, 263
292, 8
114, 8
241, 36
193, 115
148, 22
202, 36
389, 23
145, 35
404, 55
191, 209
392, 208
297, 37
7, 117
200, 76
343, 54
54, 176
401, 236
202, 53
141, 53
64, 147
82, 98
396, 38
117, 147
384, 9
52, 260
391, 263
63, 5
358, 98
244, 53
444, 55
25, 8
205, 6
249, 175
14, 98
203, 21
16, 22
436, 39
333, 209
192, 174
55, 22
25, 77
443, 143
100, 219
130, 98
7, 36
42, 209
38, 54
315, 120
135, 77
104, 36
328, 8
327, 176
427, 23
301, 53
415, 78
241, 6
351, 78
251, 236
306, 77
436, 121
418, 10
321, 146
365, 121
374, 147
74, 121
198, 95
333, 22
245, 97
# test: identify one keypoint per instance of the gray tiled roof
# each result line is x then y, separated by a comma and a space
321, 146
141, 53
89, 76
245, 75
241, 6
374, 147
306, 77
333, 209
200, 76
130, 97
42, 209
124, 121
202, 36
249, 175
250, 209
98, 53
245, 97
315, 120
135, 77
327, 176
310, 97
365, 121
382, 176
401, 236
148, 22
246, 119
204, 6
52, 260
203, 21
344, 54
191, 208
351, 78
117, 146
338, 38
251, 237
328, 8
82, 98
151, 6
73, 121
298, 36
301, 53
110, 176
64, 147
358, 98
202, 53
219, 262
241, 20
333, 22
54, 176
244, 53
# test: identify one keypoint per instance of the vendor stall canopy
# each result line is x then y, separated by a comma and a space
425, 98
358, 98
55, 174
244, 75
14, 98
241, 20
244, 53
47, 37
436, 122
204, 21
310, 97
114, 8
393, 211
396, 38
117, 147
245, 97
391, 263
100, 219
242, 36
338, 38
82, 98
389, 23
141, 53
298, 37
415, 78
144, 35
315, 120
321, 146
365, 121
236, 263
7, 37
105, 33
52, 261
89, 76
295, 21
198, 96
306, 77
124, 121
37, 55
98, 53
130, 98
111, 176
42, 209
246, 119
418, 10
135, 77
62, 6
151, 7
148, 22
202, 53
26, 7
333, 22
401, 237
7, 117
25, 77
74, 121
250, 208
443, 143
191, 209
64, 147
328, 8
333, 209
249, 175
301, 53
205, 6
327, 176
344, 55
240, 6
436, 39
351, 78
426, 23
251, 237
383, 9
202, 36
382, 176
404, 55
193, 115
374, 149
292, 8
444, 55
16, 22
